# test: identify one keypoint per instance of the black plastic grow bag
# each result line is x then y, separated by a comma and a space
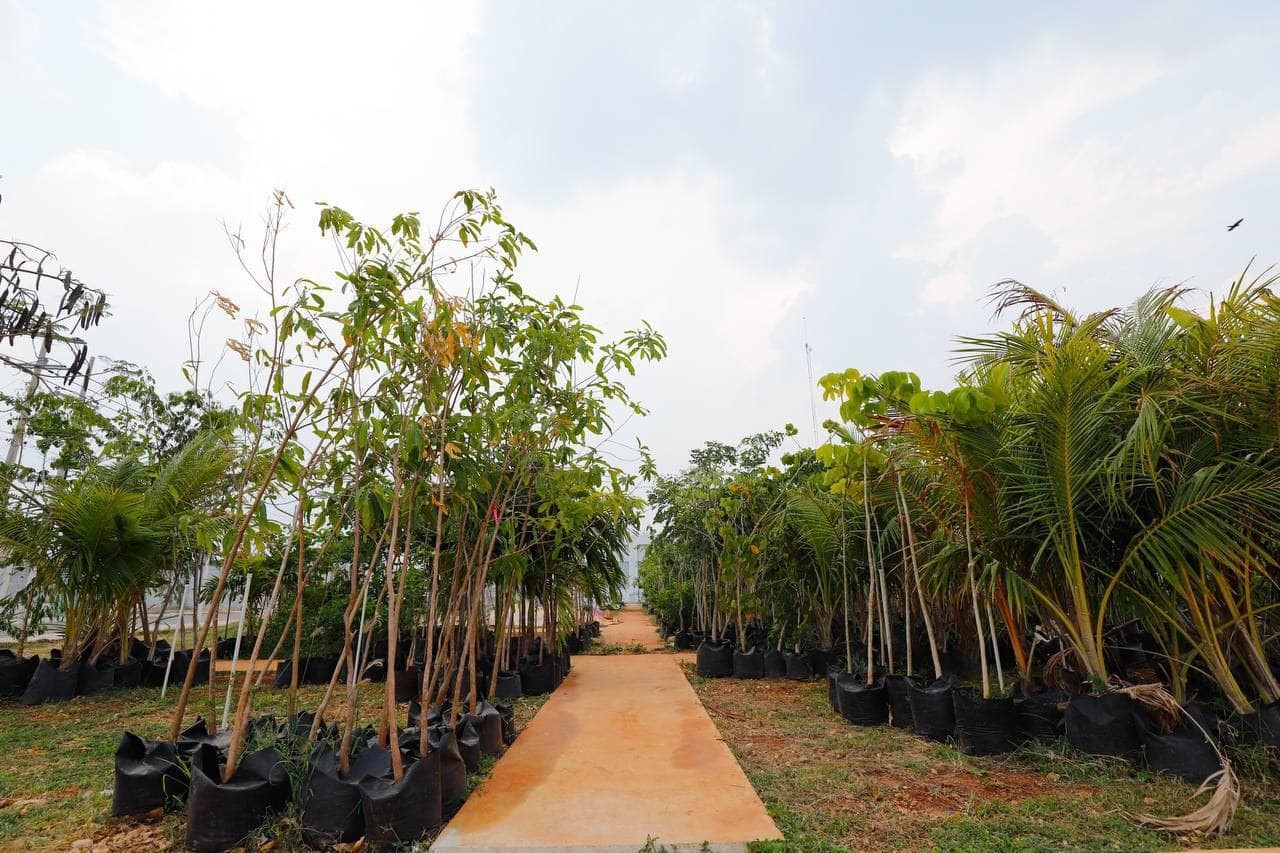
822, 660
50, 683
715, 660
1262, 726
536, 678
984, 726
320, 670
748, 664
1040, 715
284, 673
148, 775
397, 814
860, 704
508, 685
488, 723
932, 714
1186, 752
468, 742
96, 679
15, 674
197, 735
897, 689
181, 662
1103, 725
128, 674
775, 664
219, 817
332, 808
153, 671
799, 666
453, 770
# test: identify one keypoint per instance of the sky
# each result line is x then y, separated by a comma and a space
738, 174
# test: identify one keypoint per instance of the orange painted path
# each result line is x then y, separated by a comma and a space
631, 627
623, 751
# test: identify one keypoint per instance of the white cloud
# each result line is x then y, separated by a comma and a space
1047, 136
947, 287
656, 249
146, 236
373, 112
320, 97
1000, 143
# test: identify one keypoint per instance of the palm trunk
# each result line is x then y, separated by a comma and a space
915, 571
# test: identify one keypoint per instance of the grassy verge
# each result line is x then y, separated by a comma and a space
832, 786
56, 764
598, 648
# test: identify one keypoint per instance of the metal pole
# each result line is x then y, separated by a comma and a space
358, 662
235, 654
173, 646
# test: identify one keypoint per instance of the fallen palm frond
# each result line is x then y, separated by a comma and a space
1215, 816
1163, 707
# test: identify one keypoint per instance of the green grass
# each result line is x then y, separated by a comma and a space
832, 786
56, 761
598, 648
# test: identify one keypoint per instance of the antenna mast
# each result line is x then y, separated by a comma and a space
808, 363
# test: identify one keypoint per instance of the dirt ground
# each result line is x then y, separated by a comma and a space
833, 786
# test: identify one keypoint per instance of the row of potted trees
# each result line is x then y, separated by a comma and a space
1090, 514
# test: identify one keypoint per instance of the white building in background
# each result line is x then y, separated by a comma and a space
631, 564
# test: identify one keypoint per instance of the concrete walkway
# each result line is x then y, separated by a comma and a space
621, 753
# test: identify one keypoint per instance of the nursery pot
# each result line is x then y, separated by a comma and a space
860, 704
148, 775
715, 660
508, 685
1262, 726
538, 678
897, 689
96, 679
407, 686
748, 664
488, 724
453, 770
220, 817
984, 726
1186, 752
468, 742
331, 811
49, 683
1040, 715
799, 666
1103, 725
932, 713
128, 674
775, 664
400, 813
15, 674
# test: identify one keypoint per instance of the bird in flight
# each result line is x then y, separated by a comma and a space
1234, 225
